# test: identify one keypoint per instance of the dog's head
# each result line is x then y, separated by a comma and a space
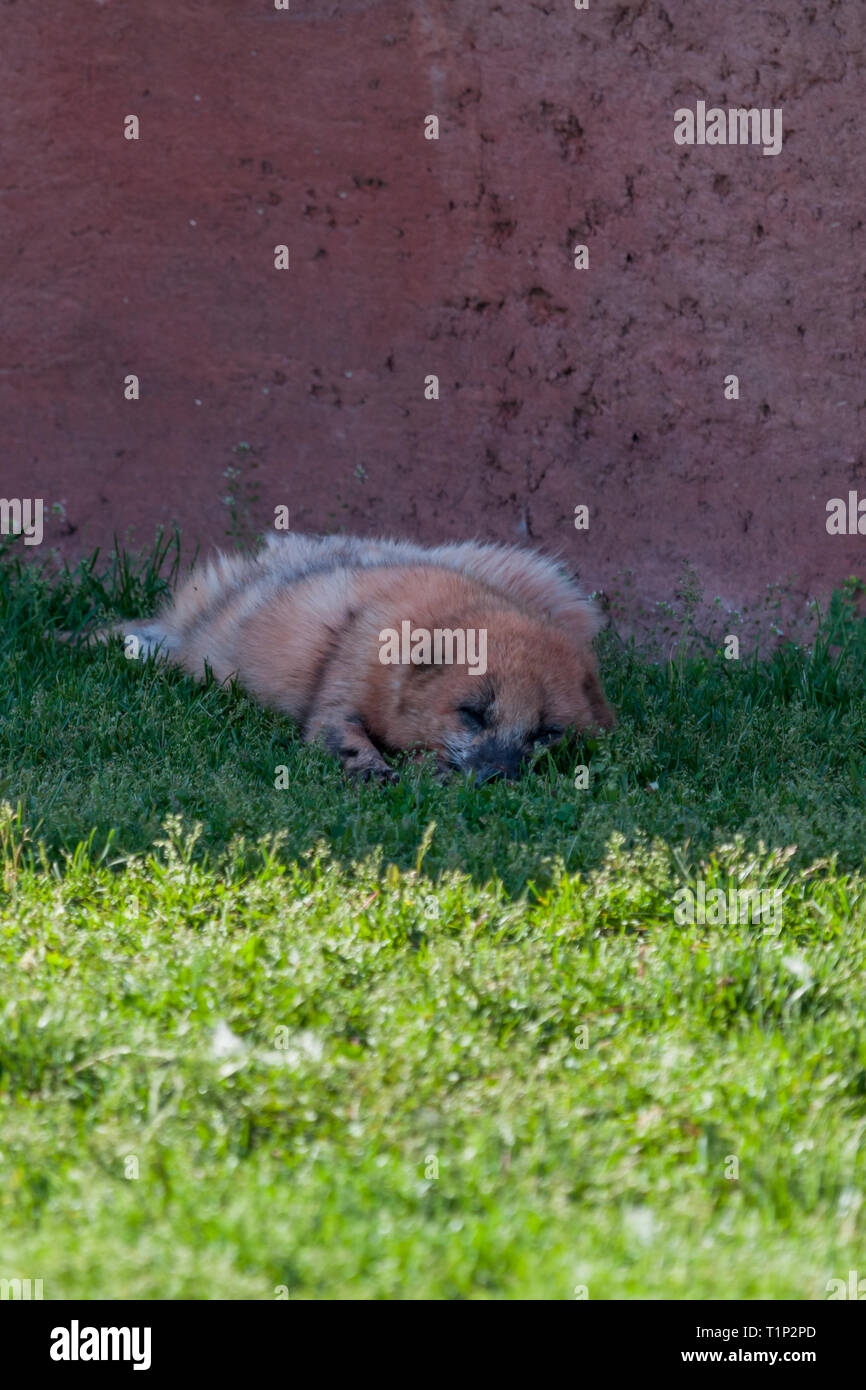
526, 685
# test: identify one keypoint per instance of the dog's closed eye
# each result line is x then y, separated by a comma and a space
474, 717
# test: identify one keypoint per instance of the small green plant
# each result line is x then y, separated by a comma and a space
241, 497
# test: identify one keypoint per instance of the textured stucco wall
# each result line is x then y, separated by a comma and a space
410, 257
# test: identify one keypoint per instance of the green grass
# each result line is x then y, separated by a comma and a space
423, 1040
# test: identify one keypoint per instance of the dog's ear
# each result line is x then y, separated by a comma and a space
581, 618
585, 619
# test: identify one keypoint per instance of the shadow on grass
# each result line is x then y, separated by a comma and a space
708, 746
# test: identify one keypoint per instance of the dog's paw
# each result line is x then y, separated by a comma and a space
383, 774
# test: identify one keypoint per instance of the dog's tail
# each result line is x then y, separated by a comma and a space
141, 637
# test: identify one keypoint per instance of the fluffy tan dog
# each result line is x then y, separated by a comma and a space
480, 653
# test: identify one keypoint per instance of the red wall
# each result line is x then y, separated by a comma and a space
411, 257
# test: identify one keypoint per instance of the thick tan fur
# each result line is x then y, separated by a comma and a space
300, 625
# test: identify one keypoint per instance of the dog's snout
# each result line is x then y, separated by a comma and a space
496, 758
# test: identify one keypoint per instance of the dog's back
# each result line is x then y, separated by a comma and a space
526, 577
220, 594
